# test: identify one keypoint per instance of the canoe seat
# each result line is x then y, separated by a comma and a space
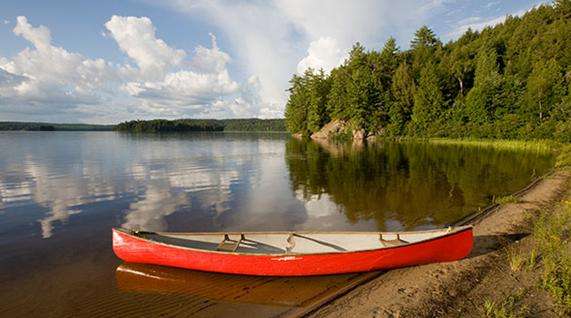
390, 243
228, 245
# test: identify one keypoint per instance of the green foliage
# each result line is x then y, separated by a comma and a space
402, 90
545, 89
510, 81
510, 307
185, 125
306, 110
29, 126
481, 100
551, 236
428, 102
424, 37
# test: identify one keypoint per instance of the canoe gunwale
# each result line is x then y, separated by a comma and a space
133, 234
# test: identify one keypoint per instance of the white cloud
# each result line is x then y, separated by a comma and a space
49, 74
323, 53
49, 80
136, 37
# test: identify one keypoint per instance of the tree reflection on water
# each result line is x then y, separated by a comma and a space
409, 184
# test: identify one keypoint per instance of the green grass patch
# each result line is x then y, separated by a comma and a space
507, 199
563, 159
552, 238
508, 308
538, 146
516, 260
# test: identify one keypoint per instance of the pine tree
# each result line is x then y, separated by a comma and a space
545, 89
402, 89
297, 105
428, 100
424, 37
338, 98
319, 88
480, 99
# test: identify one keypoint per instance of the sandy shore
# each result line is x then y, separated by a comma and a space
456, 289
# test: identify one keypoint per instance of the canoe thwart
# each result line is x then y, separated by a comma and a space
396, 242
229, 245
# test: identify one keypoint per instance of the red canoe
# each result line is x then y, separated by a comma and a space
292, 254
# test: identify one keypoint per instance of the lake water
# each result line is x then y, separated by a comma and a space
62, 192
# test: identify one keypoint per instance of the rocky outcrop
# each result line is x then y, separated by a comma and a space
338, 127
329, 130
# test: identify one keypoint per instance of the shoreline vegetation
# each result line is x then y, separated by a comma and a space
509, 81
39, 126
203, 125
158, 126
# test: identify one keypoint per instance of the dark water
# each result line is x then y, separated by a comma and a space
61, 192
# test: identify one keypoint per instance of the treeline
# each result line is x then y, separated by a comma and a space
182, 125
508, 81
32, 126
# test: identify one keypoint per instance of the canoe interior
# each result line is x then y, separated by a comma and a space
298, 243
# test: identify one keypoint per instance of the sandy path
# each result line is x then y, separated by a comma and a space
431, 290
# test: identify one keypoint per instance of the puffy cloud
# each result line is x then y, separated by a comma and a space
322, 54
46, 80
47, 74
210, 60
40, 36
210, 81
136, 37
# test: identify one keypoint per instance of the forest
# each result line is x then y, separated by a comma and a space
36, 126
509, 81
182, 125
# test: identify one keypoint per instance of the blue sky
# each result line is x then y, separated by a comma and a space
106, 61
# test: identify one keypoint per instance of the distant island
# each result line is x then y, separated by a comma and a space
183, 125
509, 81
158, 125
35, 126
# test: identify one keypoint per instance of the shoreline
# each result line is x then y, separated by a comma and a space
435, 289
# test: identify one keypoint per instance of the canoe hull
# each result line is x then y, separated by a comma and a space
451, 247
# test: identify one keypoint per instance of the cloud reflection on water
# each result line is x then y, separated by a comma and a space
156, 180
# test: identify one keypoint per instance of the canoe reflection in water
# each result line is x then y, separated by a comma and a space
269, 291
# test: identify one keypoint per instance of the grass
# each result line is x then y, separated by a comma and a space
552, 238
508, 308
563, 159
516, 259
507, 199
538, 146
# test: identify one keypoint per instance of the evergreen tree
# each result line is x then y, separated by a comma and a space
403, 99
480, 99
338, 98
318, 90
363, 97
424, 46
297, 106
428, 101
545, 89
424, 37
384, 67
505, 81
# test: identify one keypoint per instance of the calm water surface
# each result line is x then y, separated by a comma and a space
62, 192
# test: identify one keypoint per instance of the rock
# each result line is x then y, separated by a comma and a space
297, 135
329, 130
359, 134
